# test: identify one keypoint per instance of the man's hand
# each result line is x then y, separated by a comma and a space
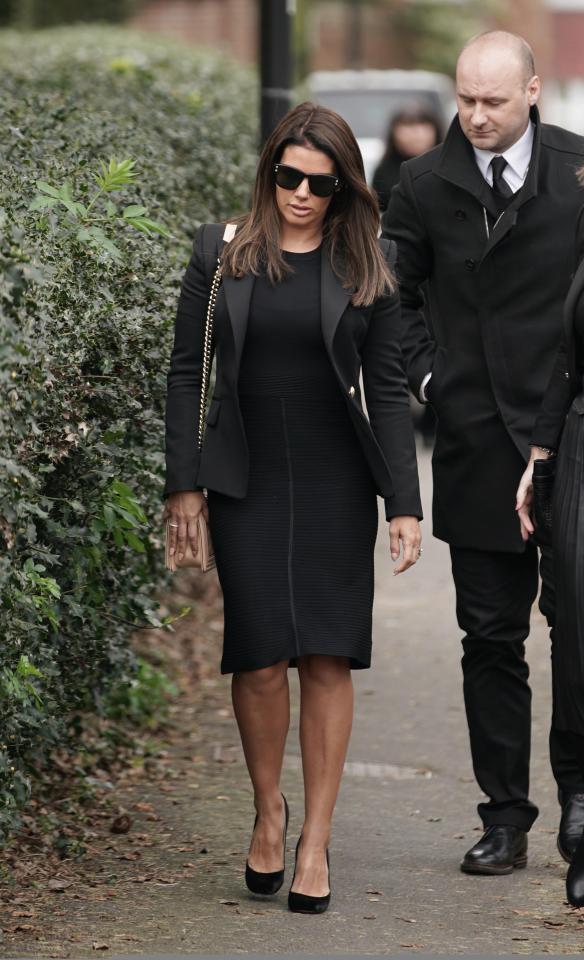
182, 509
405, 532
525, 494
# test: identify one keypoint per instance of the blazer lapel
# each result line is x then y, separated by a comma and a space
574, 294
334, 300
238, 296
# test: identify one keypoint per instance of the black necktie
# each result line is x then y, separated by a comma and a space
501, 188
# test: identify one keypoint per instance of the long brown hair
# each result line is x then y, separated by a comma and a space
351, 224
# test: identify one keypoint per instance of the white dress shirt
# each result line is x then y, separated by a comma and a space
518, 158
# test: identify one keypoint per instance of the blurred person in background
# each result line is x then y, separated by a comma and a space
485, 227
413, 130
559, 429
292, 464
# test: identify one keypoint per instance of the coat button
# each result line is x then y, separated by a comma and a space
351, 392
470, 264
460, 215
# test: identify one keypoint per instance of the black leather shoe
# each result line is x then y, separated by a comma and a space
571, 825
500, 850
575, 877
267, 884
301, 903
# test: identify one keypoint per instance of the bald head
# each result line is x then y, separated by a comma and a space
498, 44
496, 87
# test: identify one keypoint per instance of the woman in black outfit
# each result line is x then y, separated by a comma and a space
560, 428
414, 129
292, 465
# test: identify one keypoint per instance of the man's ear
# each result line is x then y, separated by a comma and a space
533, 90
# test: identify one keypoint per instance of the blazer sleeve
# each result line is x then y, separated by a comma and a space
402, 222
183, 396
388, 402
561, 388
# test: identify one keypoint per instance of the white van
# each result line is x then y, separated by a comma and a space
367, 99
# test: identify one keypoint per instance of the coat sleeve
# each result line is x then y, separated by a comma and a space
183, 396
388, 403
403, 223
561, 388
555, 405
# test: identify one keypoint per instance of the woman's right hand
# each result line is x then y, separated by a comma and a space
182, 509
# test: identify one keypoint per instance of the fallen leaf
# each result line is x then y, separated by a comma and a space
100, 946
121, 824
144, 807
22, 913
377, 893
406, 920
58, 885
370, 916
230, 903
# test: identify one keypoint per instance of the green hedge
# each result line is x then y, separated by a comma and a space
84, 344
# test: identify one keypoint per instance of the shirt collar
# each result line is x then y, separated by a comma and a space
517, 156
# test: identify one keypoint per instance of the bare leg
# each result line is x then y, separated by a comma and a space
261, 701
326, 717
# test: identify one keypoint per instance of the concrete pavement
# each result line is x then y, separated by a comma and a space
406, 815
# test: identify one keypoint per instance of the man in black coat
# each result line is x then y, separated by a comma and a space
486, 221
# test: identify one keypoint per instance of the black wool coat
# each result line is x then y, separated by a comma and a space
366, 339
566, 386
495, 294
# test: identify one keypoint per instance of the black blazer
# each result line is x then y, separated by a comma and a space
356, 338
566, 380
496, 305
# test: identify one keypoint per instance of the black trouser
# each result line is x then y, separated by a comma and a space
494, 596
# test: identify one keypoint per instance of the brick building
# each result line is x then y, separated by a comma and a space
555, 28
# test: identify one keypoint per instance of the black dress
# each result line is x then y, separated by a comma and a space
568, 537
295, 557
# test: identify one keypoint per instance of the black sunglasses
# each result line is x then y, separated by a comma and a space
320, 184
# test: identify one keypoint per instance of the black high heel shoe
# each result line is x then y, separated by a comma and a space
575, 876
267, 884
300, 902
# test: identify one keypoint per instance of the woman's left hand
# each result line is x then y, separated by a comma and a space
405, 532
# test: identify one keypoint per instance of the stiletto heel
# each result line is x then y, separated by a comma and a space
300, 902
267, 884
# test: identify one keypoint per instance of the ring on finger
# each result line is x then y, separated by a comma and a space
173, 524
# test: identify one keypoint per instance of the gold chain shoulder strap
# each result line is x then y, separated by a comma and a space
228, 235
207, 341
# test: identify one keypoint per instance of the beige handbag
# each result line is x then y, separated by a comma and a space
203, 555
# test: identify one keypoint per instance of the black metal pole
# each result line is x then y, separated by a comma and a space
275, 62
355, 35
